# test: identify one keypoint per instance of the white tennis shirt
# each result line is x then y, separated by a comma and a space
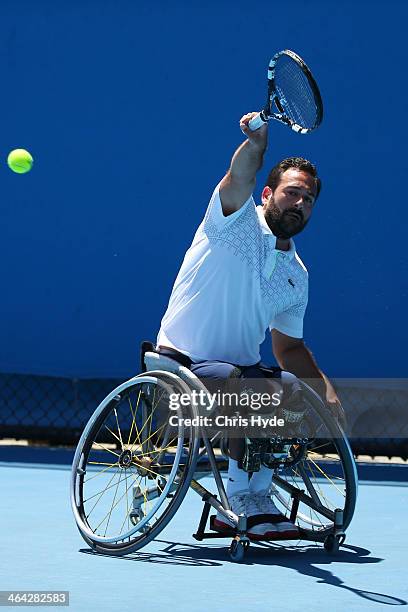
232, 285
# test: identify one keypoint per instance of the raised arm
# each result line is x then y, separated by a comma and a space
239, 182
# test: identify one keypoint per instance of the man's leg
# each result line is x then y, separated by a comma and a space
249, 496
237, 479
259, 482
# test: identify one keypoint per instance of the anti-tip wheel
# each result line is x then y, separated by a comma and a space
237, 550
331, 544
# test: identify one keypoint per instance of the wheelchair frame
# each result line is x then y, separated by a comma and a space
161, 368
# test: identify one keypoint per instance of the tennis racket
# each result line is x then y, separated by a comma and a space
294, 92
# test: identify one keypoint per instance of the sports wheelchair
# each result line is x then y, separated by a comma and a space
131, 470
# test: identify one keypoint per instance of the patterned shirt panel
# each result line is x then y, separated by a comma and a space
285, 287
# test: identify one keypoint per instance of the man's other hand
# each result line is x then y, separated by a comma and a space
337, 411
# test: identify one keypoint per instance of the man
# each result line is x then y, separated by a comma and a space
240, 276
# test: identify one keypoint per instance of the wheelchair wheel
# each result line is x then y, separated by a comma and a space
131, 469
325, 477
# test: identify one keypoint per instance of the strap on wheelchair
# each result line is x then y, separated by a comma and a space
270, 371
145, 347
148, 346
260, 519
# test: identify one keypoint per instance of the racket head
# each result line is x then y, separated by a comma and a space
294, 91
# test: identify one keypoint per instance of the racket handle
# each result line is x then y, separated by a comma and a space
256, 122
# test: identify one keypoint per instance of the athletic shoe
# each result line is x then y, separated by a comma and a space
260, 515
260, 524
238, 504
274, 523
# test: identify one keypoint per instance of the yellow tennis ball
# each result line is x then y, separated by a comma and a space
20, 161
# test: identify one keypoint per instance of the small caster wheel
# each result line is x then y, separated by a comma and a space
237, 550
331, 544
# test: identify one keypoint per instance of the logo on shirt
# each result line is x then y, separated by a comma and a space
290, 281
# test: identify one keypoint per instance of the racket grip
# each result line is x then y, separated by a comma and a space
256, 122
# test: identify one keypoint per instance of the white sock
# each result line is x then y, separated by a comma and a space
237, 479
261, 480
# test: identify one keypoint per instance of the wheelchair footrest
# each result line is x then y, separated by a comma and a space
227, 533
231, 533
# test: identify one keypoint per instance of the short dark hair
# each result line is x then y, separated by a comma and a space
299, 163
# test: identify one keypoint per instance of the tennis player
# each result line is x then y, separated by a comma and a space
241, 276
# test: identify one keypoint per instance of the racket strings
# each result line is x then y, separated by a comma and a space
295, 93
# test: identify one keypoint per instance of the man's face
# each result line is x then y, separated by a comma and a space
288, 209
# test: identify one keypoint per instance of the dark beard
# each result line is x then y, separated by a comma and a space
282, 224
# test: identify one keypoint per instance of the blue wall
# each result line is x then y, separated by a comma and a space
93, 237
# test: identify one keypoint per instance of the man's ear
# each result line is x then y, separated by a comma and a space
266, 194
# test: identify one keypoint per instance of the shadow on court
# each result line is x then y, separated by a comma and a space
302, 559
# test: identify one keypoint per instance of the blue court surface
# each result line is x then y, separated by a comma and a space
42, 550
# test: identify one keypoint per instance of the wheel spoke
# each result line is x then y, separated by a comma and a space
327, 477
101, 494
99, 473
133, 415
103, 463
148, 418
117, 422
111, 432
127, 509
108, 450
108, 486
